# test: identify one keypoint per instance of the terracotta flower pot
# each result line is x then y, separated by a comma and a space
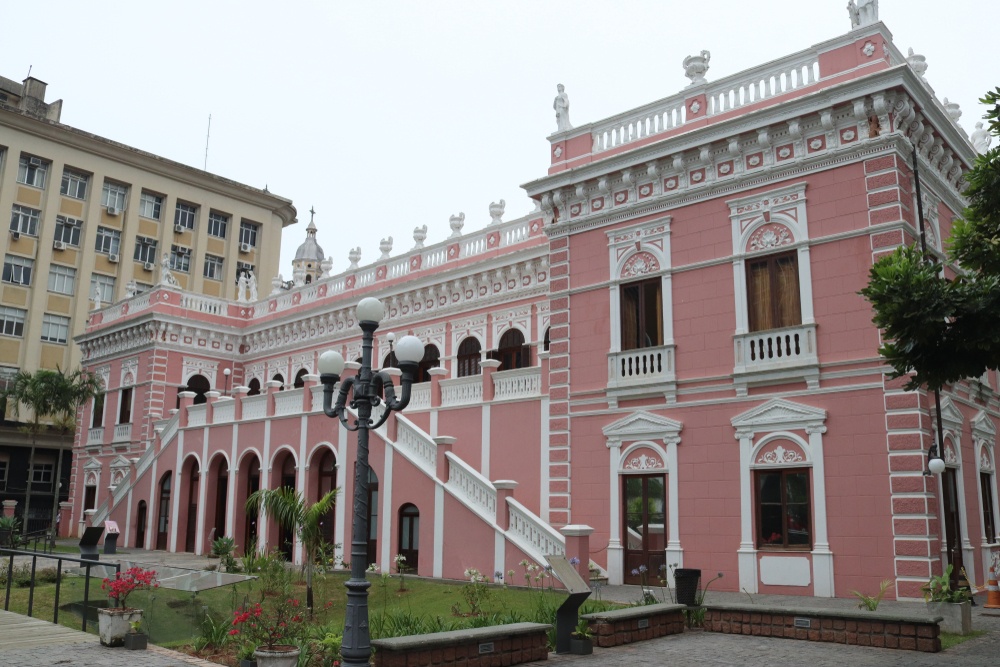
282, 655
114, 624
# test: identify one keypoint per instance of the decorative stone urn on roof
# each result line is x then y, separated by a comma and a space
695, 68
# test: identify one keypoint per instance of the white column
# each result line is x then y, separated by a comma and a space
805, 285
822, 557
616, 555
265, 483
300, 481
343, 471
152, 509
234, 480
484, 467
127, 537
199, 536
747, 554
614, 298
385, 515
438, 569
177, 488
674, 551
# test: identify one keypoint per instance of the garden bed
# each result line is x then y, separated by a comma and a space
632, 624
476, 647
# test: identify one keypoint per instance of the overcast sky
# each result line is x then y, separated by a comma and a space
386, 116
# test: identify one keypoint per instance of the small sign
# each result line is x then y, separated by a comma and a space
111, 527
803, 623
643, 623
486, 647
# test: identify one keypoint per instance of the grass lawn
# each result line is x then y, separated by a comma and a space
174, 618
949, 639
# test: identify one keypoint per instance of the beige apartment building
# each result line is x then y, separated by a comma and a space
91, 219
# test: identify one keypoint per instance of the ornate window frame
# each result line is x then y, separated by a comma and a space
636, 252
642, 431
757, 430
762, 224
984, 436
953, 422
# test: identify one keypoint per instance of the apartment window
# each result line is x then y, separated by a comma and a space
641, 314
17, 270
3, 474
12, 321
74, 184
469, 356
32, 171
773, 292
783, 512
68, 230
145, 250
180, 258
62, 279
125, 406
213, 267
108, 240
42, 474
150, 205
24, 220
141, 288
103, 286
989, 521
184, 215
248, 233
55, 328
218, 224
97, 415
114, 196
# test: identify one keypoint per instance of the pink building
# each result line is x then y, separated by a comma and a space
671, 351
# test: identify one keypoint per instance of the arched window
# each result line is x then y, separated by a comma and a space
409, 536
432, 359
163, 514
299, 382
389, 361
512, 352
278, 377
140, 525
254, 387
546, 340
199, 385
469, 355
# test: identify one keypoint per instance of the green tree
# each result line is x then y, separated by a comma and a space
48, 398
940, 330
288, 507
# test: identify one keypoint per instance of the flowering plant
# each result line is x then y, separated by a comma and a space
128, 582
267, 627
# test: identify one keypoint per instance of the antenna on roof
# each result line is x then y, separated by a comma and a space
29, 72
208, 134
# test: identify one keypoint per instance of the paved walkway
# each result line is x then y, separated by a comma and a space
30, 642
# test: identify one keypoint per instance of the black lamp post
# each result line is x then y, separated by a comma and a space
370, 388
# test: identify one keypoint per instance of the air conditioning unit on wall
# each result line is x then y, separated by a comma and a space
113, 258
113, 210
246, 247
179, 229
148, 266
58, 245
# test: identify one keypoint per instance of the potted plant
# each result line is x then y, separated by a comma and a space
245, 654
269, 630
953, 604
115, 622
8, 526
136, 639
581, 641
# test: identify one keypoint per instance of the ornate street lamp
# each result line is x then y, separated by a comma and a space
369, 388
935, 464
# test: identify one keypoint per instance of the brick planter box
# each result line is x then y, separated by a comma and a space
839, 626
624, 626
495, 646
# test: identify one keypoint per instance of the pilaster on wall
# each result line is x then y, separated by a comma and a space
888, 181
916, 527
559, 438
156, 399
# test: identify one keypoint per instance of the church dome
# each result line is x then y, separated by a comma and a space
310, 251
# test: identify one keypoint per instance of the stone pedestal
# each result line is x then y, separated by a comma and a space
578, 546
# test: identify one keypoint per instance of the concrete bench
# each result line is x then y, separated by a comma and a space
631, 624
476, 647
841, 626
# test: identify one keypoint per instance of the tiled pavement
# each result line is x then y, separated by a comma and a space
30, 648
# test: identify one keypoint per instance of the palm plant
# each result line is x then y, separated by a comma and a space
48, 396
289, 508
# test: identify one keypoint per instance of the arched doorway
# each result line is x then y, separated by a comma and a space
199, 384
469, 356
140, 525
432, 359
217, 499
190, 511
512, 352
247, 483
300, 378
282, 476
409, 535
644, 506
163, 512
323, 471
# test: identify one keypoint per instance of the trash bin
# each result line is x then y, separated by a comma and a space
686, 585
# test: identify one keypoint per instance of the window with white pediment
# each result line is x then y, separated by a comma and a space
640, 299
